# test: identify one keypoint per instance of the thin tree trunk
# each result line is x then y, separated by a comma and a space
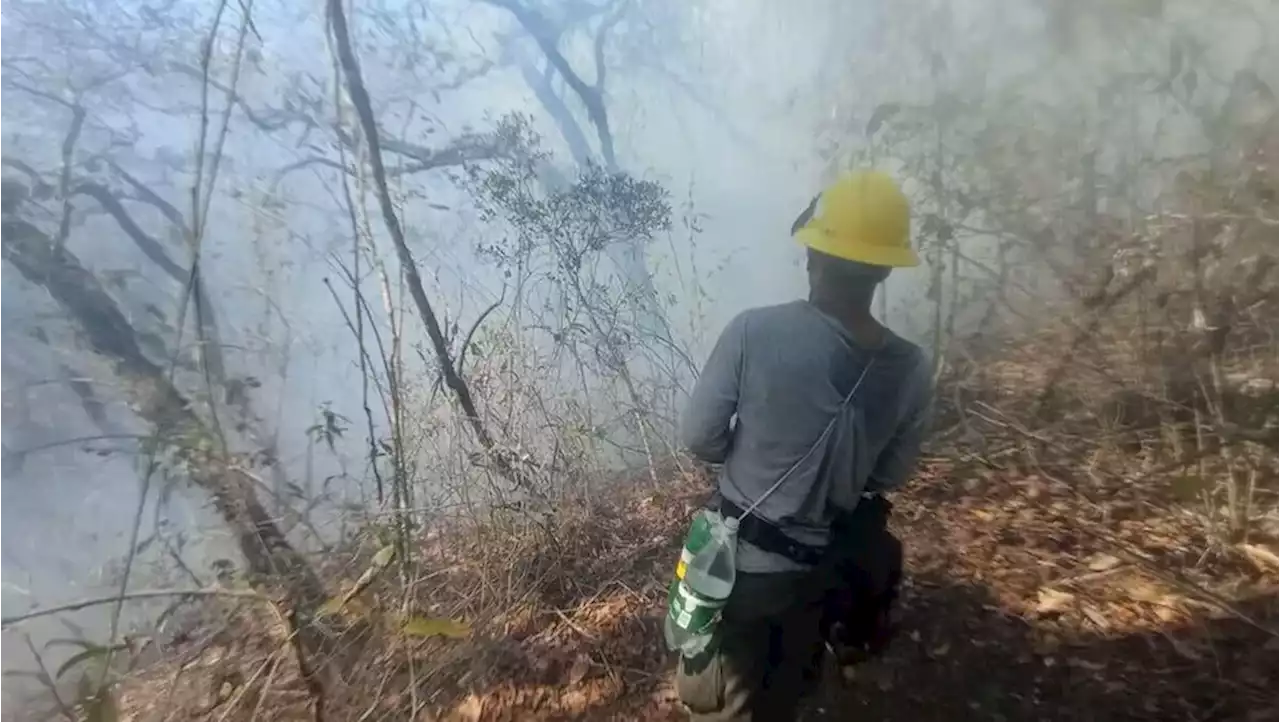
369, 127
271, 560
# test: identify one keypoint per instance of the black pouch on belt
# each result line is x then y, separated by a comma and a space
757, 531
866, 562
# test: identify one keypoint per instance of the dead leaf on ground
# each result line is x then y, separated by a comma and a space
1260, 556
580, 667
469, 710
1044, 643
1168, 614
1183, 649
1101, 562
1052, 600
1143, 590
1093, 614
1086, 664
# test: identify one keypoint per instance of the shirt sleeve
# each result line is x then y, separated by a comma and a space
705, 427
897, 461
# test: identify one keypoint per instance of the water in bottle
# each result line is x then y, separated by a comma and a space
704, 578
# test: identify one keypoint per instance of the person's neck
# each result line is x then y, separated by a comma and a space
856, 319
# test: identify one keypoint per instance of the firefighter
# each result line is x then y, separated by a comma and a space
774, 382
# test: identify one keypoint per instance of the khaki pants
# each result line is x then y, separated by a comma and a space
765, 656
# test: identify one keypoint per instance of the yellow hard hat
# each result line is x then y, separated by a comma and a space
862, 217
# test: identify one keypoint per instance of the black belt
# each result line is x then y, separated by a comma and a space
768, 537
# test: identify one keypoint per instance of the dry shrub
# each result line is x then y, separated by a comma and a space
566, 598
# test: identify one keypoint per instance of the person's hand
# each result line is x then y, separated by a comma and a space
706, 470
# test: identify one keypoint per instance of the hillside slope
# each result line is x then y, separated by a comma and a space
1026, 598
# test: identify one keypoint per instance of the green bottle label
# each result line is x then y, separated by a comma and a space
691, 611
697, 538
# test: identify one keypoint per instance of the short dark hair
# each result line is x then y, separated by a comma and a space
843, 273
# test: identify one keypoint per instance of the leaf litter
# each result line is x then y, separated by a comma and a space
1002, 611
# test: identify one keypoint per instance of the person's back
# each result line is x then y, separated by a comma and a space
809, 406
786, 370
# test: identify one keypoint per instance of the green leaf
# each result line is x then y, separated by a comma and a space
347, 601
70, 642
1188, 486
91, 652
384, 556
435, 627
330, 608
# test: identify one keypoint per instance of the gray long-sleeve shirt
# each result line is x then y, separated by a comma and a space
775, 379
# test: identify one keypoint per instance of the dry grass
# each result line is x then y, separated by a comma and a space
1081, 575
1081, 543
571, 596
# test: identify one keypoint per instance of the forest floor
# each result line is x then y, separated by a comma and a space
1017, 606
1062, 572
1026, 598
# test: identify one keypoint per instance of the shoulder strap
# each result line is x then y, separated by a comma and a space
822, 438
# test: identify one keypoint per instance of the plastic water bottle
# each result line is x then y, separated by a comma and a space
704, 578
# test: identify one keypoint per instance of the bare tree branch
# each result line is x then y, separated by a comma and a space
540, 83
270, 120
364, 110
211, 343
469, 148
140, 594
466, 341
270, 557
19, 455
591, 97
699, 98
27, 170
150, 197
150, 247
64, 180
89, 401
602, 33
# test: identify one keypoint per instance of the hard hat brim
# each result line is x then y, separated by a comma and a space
823, 242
